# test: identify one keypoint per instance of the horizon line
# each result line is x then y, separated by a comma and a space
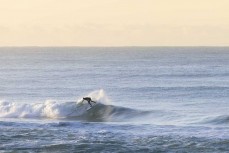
121, 46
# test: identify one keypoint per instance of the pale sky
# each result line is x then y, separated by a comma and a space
114, 22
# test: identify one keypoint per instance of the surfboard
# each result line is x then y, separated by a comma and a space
93, 104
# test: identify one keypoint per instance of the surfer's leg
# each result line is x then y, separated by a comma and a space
89, 103
93, 101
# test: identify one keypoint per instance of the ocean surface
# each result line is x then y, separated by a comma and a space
149, 99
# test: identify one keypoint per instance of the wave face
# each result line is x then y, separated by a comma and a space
102, 111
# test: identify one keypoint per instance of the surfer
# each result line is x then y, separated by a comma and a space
88, 99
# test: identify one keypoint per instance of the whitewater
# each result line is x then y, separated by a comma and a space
48, 109
149, 99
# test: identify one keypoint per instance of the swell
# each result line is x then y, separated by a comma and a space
218, 120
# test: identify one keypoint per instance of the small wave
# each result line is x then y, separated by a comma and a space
219, 120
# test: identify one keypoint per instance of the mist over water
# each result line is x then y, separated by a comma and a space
162, 99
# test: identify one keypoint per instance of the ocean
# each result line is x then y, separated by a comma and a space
149, 99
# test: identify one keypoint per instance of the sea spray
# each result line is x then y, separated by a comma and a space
98, 96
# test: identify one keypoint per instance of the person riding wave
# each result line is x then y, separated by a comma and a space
88, 99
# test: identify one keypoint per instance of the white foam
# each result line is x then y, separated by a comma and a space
49, 108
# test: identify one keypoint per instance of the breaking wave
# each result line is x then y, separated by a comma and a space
102, 111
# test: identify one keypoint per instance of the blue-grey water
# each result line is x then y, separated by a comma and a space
149, 99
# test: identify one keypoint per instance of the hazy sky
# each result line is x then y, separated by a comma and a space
114, 22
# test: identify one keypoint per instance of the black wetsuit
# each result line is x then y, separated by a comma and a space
88, 99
